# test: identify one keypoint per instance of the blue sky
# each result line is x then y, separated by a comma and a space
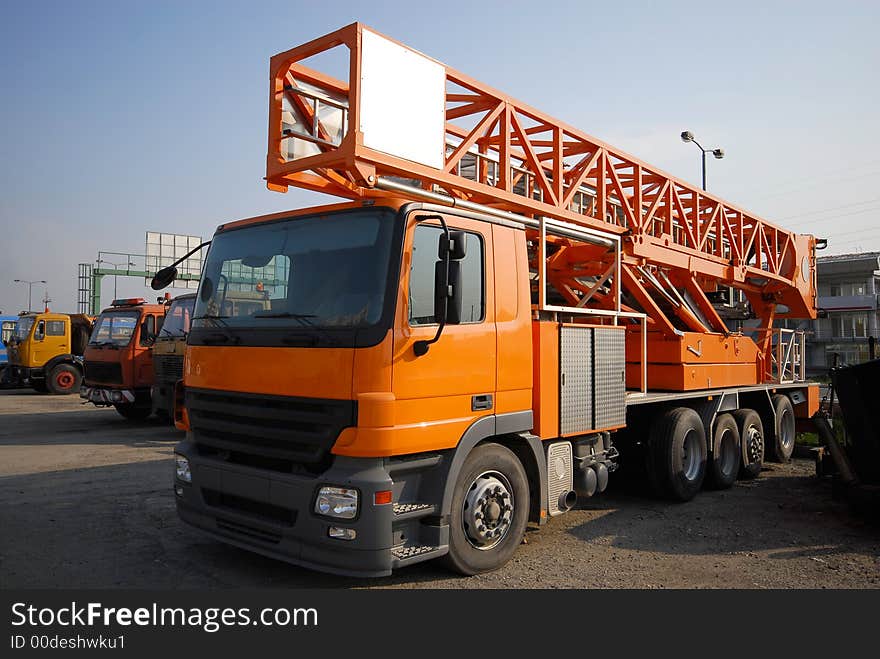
122, 117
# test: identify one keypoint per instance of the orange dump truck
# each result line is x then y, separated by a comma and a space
508, 311
118, 357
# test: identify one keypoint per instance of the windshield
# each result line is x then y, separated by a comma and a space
310, 274
114, 328
23, 327
178, 318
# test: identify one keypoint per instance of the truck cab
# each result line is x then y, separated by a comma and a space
46, 349
7, 328
168, 353
119, 359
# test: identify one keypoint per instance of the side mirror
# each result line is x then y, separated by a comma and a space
147, 334
447, 293
163, 278
455, 246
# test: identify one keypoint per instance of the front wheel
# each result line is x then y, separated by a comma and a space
133, 411
490, 510
64, 379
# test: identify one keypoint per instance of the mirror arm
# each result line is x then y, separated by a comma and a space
421, 347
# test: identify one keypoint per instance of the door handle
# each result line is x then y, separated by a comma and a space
481, 402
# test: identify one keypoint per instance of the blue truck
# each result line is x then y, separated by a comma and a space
7, 329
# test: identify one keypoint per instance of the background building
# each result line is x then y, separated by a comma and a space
849, 291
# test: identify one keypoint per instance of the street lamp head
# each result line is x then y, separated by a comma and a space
718, 153
687, 136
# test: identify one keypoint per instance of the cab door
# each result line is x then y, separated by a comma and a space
440, 393
143, 350
51, 338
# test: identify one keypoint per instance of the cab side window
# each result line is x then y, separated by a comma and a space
55, 328
421, 277
40, 331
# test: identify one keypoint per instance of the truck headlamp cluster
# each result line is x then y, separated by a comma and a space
181, 468
338, 502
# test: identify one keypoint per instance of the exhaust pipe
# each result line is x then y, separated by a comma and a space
567, 500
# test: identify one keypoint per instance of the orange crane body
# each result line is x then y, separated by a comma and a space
463, 346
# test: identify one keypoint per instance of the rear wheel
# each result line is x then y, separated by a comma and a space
726, 453
676, 456
751, 432
779, 432
133, 411
490, 510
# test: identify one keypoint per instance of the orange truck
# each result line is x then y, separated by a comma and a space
508, 311
118, 357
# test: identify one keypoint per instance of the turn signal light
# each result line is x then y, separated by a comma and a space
383, 497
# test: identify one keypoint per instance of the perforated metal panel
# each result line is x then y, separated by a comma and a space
609, 345
575, 379
559, 474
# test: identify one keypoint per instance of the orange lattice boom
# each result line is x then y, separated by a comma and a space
677, 241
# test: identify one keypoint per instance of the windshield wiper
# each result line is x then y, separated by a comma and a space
304, 319
172, 334
223, 326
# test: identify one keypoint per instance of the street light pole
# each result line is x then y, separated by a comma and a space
30, 287
688, 136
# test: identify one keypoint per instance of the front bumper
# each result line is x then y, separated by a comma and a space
271, 513
23, 375
107, 396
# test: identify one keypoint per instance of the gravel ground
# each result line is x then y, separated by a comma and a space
86, 501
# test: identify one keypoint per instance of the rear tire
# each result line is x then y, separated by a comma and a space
64, 379
490, 509
133, 411
779, 432
676, 455
726, 453
751, 432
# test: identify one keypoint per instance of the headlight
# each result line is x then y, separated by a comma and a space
181, 466
337, 502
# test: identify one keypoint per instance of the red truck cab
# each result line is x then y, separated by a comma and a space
119, 359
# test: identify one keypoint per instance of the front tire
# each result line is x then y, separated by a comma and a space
490, 510
133, 411
677, 454
64, 379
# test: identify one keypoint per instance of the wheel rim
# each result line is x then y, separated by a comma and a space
786, 430
64, 380
728, 455
487, 511
754, 445
690, 456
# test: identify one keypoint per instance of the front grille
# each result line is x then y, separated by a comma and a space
169, 368
249, 532
301, 430
251, 507
105, 372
